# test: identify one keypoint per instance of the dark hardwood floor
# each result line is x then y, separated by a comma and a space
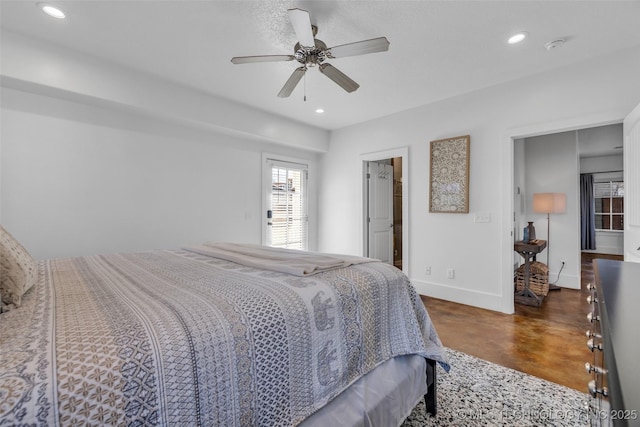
548, 341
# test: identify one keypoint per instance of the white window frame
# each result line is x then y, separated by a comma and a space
610, 214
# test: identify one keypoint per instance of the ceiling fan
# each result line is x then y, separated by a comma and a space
310, 52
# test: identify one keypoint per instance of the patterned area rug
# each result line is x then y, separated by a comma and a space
479, 393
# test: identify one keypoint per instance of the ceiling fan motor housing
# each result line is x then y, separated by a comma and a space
311, 56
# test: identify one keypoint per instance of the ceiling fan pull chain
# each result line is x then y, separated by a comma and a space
305, 87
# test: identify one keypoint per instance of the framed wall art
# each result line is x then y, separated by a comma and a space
449, 175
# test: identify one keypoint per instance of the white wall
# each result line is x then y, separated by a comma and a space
98, 158
593, 92
602, 163
609, 242
80, 179
600, 140
552, 166
36, 66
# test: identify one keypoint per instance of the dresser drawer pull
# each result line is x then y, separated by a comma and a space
593, 346
592, 368
592, 316
591, 334
594, 391
591, 299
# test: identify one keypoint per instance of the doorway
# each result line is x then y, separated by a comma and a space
385, 207
553, 163
568, 222
384, 210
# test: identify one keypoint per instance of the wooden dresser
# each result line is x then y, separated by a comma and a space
614, 339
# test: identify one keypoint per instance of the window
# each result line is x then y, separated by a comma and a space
609, 205
287, 220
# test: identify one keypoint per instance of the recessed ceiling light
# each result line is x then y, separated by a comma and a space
319, 110
517, 38
53, 11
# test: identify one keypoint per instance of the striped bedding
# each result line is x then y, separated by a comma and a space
182, 338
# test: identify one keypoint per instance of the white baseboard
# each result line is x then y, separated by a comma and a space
474, 298
565, 281
609, 250
462, 296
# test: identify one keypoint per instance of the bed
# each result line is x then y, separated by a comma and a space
212, 335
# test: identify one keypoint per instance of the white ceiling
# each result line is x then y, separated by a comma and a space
439, 49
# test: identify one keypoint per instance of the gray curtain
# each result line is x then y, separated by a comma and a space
587, 209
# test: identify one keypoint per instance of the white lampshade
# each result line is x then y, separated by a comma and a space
549, 202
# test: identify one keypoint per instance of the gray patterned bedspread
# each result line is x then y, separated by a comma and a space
179, 338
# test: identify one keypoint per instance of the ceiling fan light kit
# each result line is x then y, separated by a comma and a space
311, 52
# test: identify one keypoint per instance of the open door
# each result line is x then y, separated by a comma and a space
396, 207
380, 207
631, 132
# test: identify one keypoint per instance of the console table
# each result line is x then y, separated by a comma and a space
528, 251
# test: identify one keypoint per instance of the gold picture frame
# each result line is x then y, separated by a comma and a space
449, 175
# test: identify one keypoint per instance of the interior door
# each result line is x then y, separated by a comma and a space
631, 131
380, 206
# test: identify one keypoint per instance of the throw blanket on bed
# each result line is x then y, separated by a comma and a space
298, 263
182, 338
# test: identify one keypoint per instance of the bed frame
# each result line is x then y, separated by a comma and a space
431, 398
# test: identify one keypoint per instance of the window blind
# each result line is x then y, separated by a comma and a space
609, 205
608, 189
288, 206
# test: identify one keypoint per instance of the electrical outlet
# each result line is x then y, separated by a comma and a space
427, 271
451, 273
482, 217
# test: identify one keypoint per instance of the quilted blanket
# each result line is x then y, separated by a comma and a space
182, 338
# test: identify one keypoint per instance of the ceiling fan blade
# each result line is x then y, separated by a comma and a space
291, 84
339, 77
363, 47
261, 58
302, 26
